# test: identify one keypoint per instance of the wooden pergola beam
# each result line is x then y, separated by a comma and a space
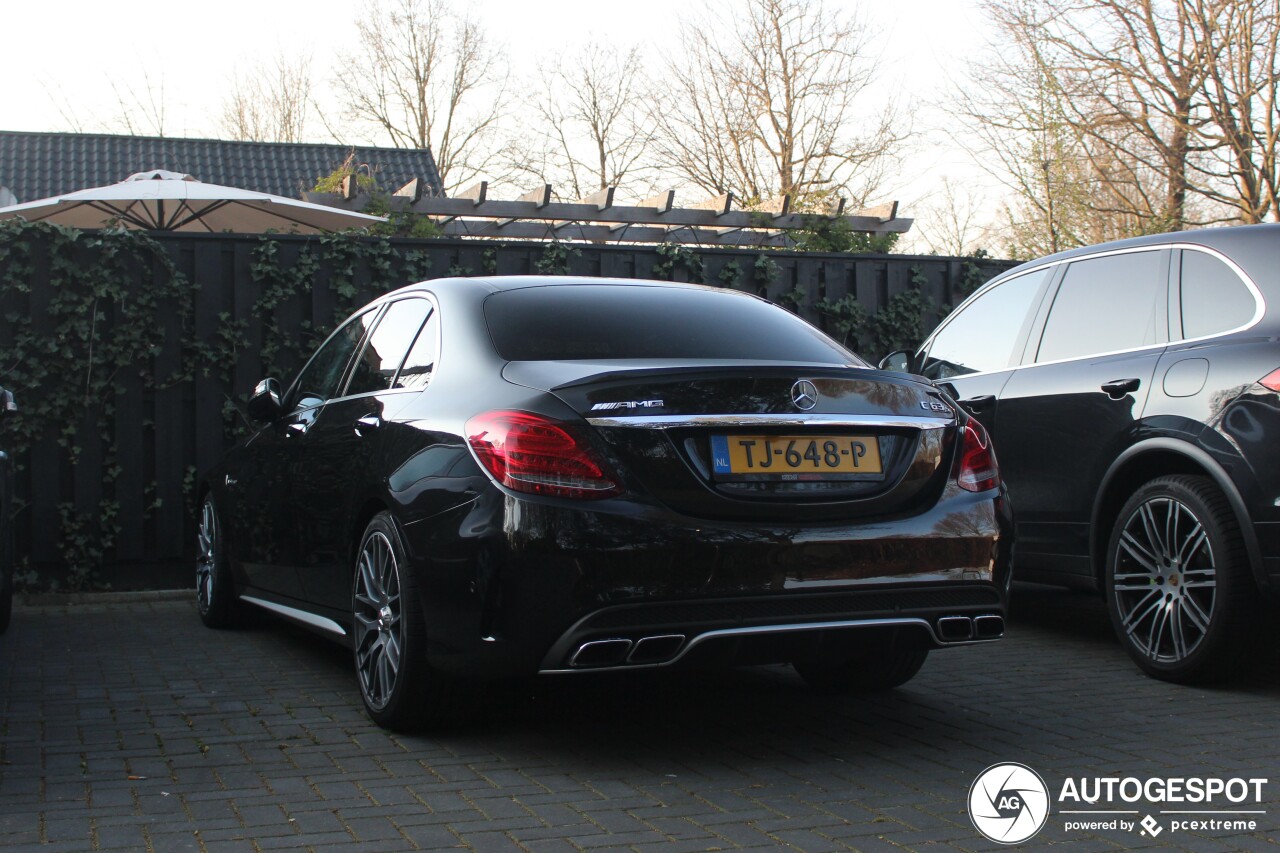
621, 216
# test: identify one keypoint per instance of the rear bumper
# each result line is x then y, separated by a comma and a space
773, 629
536, 581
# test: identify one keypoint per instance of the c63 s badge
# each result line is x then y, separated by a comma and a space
627, 404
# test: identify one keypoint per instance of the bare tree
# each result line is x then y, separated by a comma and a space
954, 221
1119, 117
141, 109
271, 102
1242, 97
777, 102
424, 77
592, 122
1023, 133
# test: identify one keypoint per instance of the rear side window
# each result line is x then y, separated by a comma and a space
981, 337
1104, 305
421, 361
382, 355
618, 321
1214, 299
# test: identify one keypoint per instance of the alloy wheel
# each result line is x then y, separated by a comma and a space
1165, 581
378, 620
207, 546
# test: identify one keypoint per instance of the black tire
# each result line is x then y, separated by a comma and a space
389, 640
215, 591
1178, 585
878, 666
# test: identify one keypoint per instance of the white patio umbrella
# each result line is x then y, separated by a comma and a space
171, 201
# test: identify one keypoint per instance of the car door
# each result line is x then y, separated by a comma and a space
1076, 401
263, 521
972, 353
341, 461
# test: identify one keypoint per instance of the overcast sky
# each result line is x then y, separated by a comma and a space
71, 62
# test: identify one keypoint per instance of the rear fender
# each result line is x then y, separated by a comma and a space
1114, 491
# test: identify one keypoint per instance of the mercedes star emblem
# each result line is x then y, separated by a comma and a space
804, 395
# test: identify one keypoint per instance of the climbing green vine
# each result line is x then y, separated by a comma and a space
110, 338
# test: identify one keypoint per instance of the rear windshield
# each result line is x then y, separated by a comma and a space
607, 321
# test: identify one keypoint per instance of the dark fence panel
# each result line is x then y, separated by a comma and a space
257, 306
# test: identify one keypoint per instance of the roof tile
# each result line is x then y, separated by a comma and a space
40, 165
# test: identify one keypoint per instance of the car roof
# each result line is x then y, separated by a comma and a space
1225, 239
500, 283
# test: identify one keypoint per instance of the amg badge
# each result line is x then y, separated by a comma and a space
628, 404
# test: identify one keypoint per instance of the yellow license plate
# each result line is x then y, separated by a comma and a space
795, 454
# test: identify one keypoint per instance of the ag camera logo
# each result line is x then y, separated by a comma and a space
1008, 803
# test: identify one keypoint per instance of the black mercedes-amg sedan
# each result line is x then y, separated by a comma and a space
497, 477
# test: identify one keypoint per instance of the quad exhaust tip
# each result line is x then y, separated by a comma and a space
955, 629
600, 653
958, 629
988, 627
616, 652
659, 649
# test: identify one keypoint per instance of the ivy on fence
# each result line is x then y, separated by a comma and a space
96, 322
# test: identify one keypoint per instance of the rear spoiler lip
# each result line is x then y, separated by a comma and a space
694, 372
757, 420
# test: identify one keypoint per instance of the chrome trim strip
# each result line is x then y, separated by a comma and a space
777, 629
298, 615
799, 419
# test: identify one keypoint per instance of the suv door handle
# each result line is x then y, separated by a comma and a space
368, 423
979, 402
1117, 388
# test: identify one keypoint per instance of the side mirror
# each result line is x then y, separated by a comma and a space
264, 405
899, 361
7, 406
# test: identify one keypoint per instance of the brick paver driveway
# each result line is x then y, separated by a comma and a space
129, 726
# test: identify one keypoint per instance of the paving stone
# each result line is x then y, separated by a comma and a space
279, 754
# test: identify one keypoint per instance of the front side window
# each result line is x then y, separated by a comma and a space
376, 367
981, 337
1214, 299
319, 379
1104, 305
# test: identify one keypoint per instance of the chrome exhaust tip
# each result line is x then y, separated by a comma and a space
988, 627
955, 629
659, 649
600, 653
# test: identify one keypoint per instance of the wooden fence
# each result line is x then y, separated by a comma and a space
130, 479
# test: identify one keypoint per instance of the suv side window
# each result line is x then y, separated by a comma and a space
981, 337
319, 379
1104, 305
1214, 299
376, 367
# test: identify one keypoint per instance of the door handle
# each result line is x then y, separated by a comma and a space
979, 402
368, 423
1117, 388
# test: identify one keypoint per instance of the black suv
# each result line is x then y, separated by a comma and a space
1132, 391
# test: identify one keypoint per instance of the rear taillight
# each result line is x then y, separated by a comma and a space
530, 453
976, 469
1271, 381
